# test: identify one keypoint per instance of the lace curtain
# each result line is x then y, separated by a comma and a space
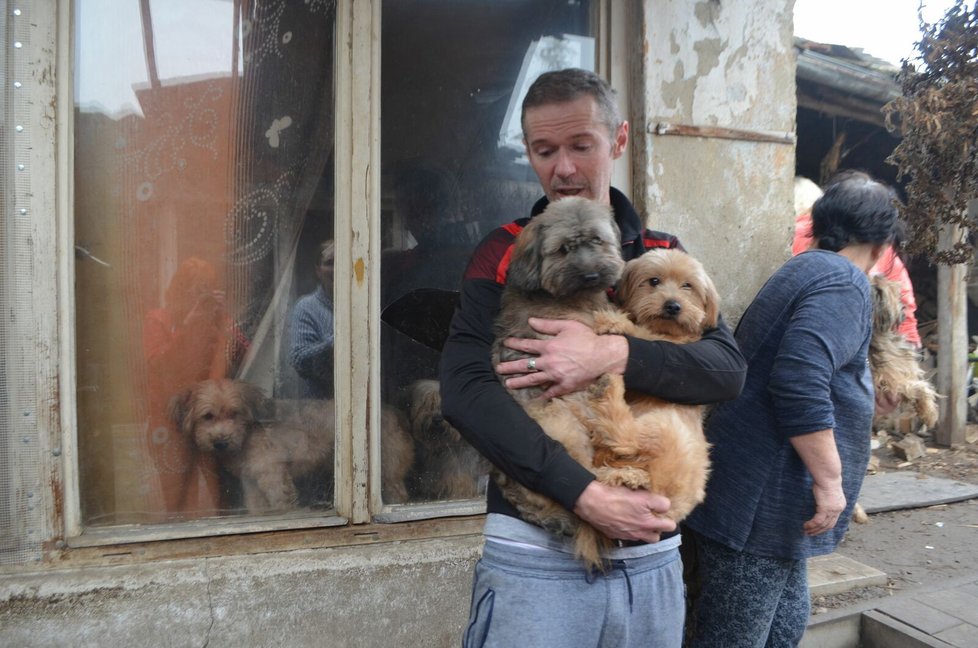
190, 200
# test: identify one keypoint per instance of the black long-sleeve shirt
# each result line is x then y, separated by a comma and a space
478, 405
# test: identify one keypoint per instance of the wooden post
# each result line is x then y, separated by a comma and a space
952, 354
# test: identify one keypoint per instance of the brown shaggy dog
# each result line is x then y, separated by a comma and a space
561, 267
228, 419
446, 466
669, 296
892, 360
563, 264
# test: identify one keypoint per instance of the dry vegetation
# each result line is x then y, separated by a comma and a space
938, 120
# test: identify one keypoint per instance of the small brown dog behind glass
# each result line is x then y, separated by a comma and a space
270, 445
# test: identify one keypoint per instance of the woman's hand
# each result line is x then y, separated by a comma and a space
830, 501
886, 402
820, 455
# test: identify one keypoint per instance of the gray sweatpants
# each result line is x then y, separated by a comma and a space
535, 596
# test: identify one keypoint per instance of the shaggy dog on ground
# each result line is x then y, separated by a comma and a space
892, 360
446, 466
274, 446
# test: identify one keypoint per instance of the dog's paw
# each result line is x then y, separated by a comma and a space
927, 410
633, 478
613, 323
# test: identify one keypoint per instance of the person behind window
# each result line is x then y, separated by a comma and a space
528, 588
789, 455
191, 338
426, 197
310, 330
437, 247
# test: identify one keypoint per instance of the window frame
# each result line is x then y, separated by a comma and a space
359, 509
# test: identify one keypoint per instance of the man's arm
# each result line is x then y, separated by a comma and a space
709, 370
311, 342
477, 404
706, 371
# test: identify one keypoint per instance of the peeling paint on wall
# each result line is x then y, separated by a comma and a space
731, 66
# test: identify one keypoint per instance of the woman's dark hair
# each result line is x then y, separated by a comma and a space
854, 209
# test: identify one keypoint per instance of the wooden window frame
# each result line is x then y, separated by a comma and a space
357, 498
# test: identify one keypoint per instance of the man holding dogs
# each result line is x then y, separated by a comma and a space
528, 588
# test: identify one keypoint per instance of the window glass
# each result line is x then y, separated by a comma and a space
203, 226
453, 168
204, 230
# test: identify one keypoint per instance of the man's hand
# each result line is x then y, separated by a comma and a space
569, 361
624, 514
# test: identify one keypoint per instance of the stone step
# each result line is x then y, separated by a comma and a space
834, 574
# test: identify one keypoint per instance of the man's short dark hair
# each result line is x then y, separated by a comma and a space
561, 86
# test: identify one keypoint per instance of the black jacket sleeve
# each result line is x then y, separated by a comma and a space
707, 371
478, 405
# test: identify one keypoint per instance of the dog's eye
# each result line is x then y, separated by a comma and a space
687, 286
654, 281
596, 240
565, 249
208, 416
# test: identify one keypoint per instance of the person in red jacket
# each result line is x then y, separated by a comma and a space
890, 265
528, 588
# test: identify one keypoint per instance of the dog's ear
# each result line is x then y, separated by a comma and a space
711, 300
252, 396
178, 410
626, 285
524, 271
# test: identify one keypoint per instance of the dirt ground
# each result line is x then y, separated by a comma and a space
915, 547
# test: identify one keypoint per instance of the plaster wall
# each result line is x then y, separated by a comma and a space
724, 65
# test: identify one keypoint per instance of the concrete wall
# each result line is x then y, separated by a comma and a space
391, 594
723, 65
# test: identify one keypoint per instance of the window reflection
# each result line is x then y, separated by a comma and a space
310, 330
448, 178
203, 186
204, 224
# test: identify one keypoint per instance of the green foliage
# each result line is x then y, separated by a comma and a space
938, 118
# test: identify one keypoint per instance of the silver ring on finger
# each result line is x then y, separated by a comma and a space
531, 364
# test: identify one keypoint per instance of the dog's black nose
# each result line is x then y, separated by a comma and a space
220, 445
672, 308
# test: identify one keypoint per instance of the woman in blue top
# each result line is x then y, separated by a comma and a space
790, 453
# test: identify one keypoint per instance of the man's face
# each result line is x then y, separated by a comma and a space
571, 150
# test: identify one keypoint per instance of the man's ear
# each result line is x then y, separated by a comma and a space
621, 140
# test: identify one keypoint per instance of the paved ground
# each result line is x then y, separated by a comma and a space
928, 554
